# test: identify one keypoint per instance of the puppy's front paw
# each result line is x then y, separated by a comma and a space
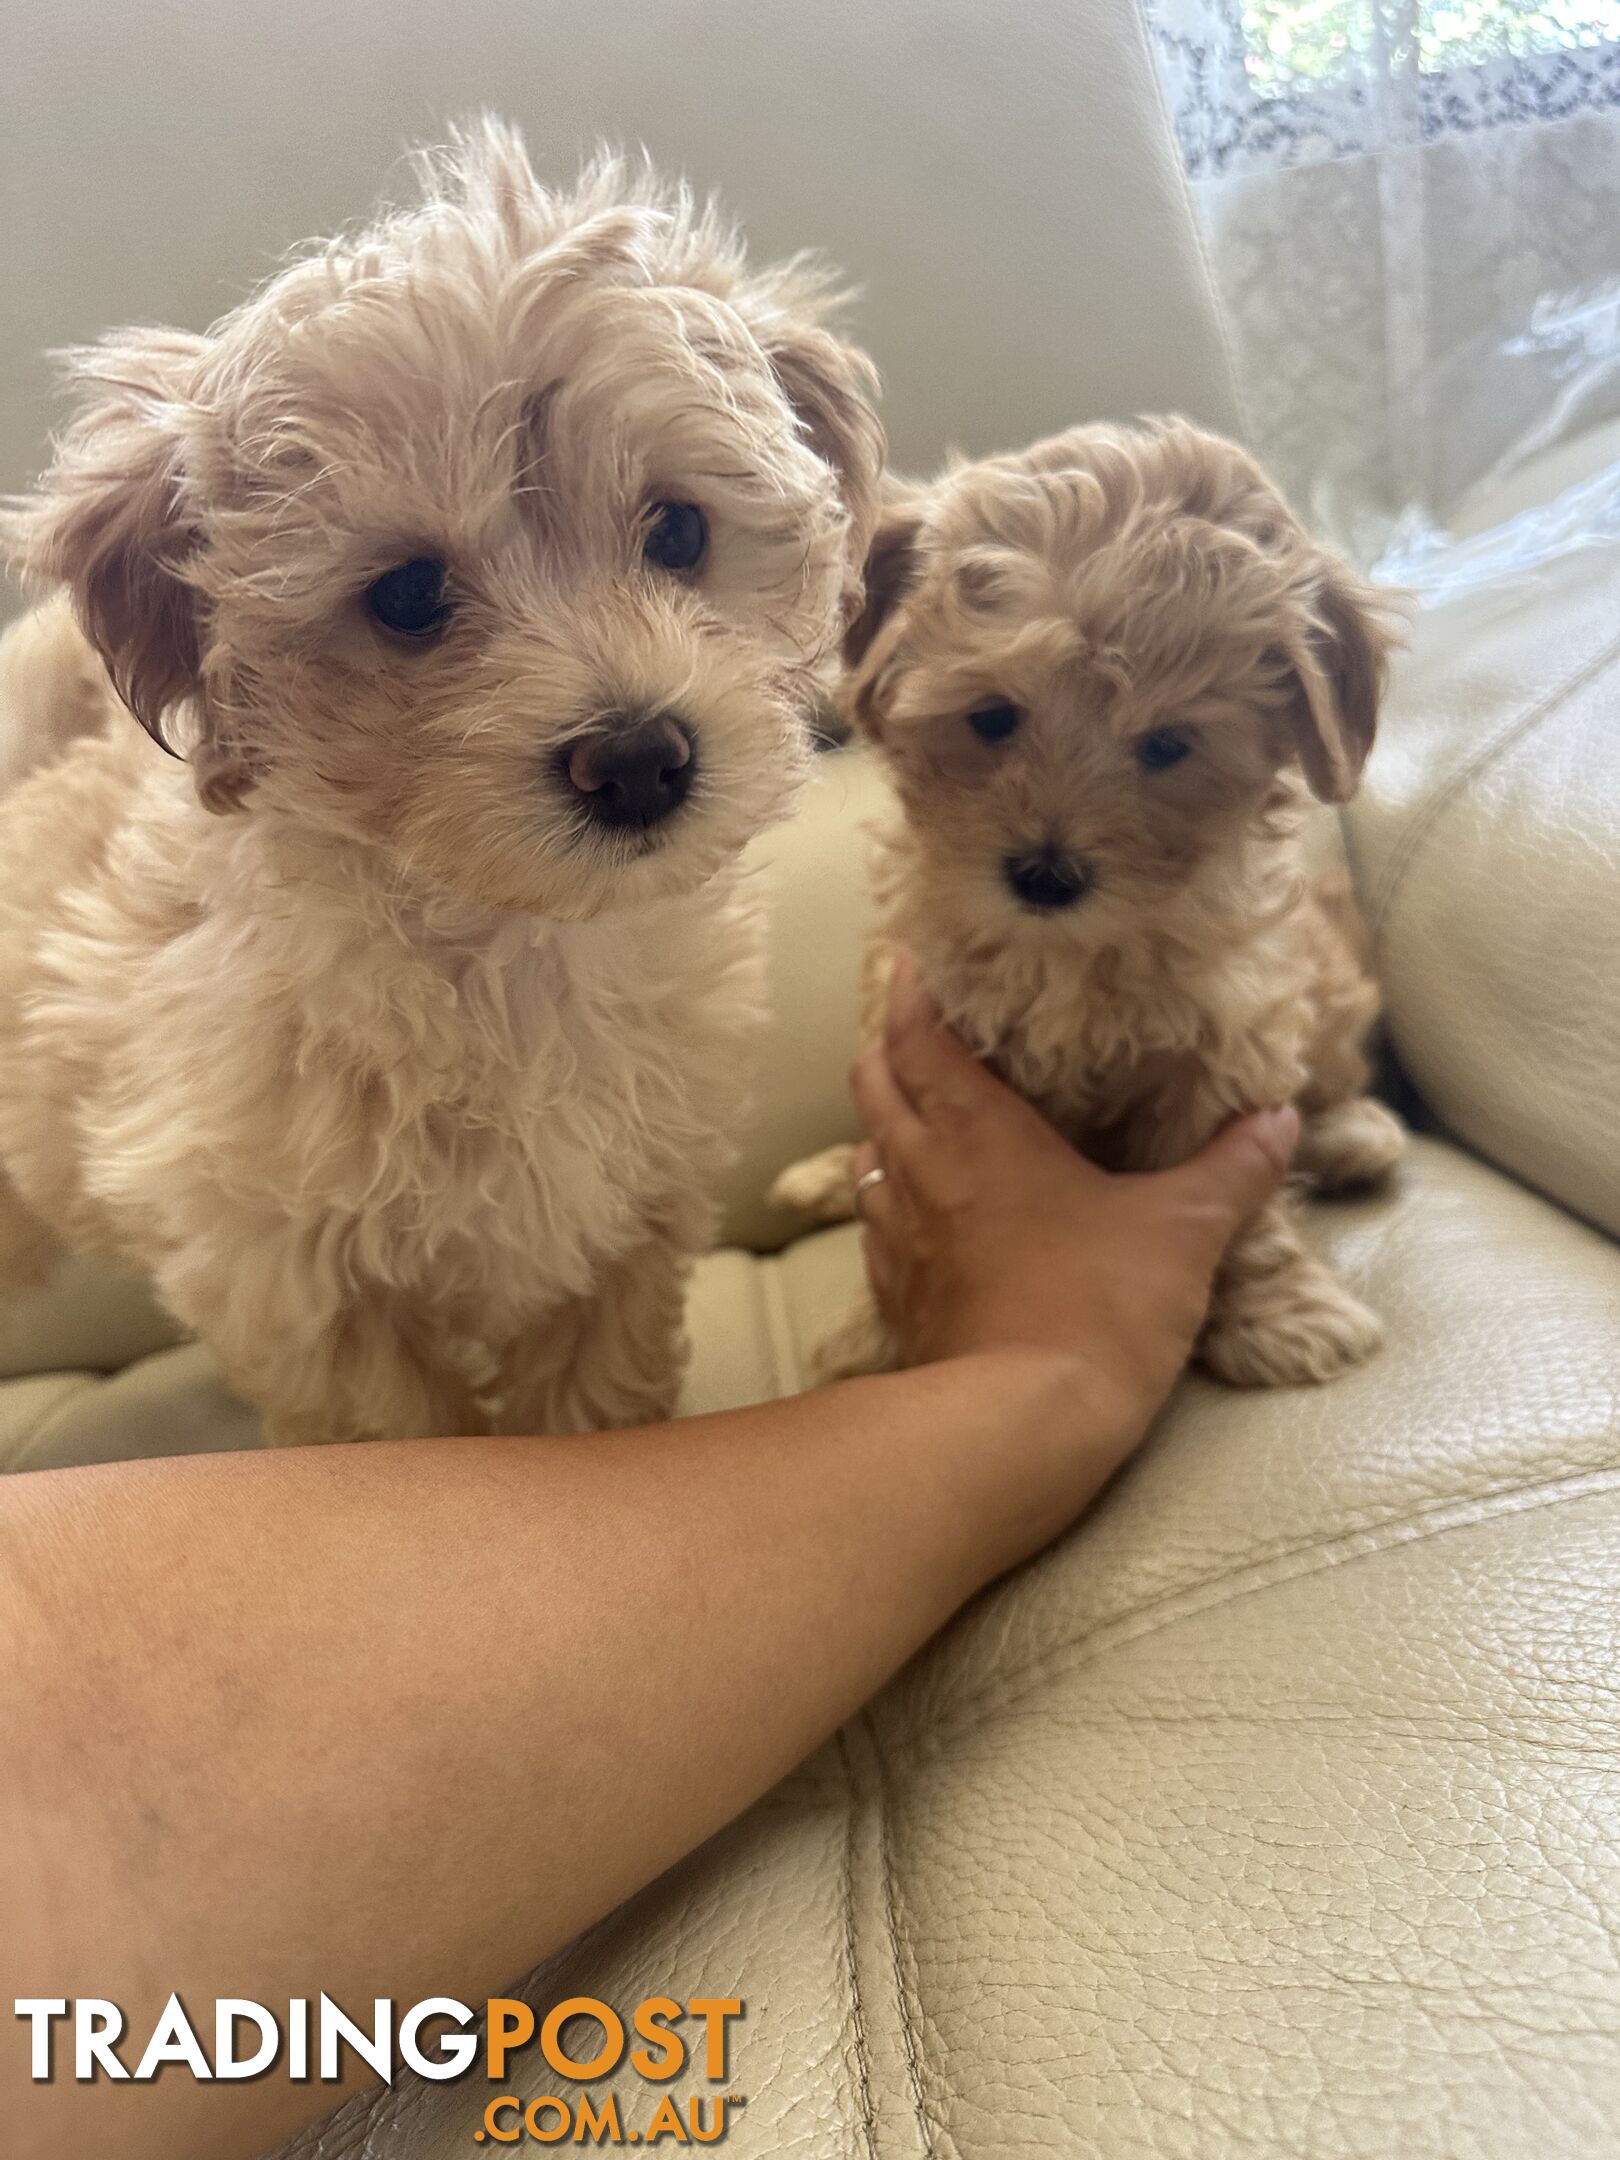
856, 1344
1313, 1334
1350, 1145
822, 1186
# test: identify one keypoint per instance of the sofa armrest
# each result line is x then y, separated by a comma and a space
1486, 849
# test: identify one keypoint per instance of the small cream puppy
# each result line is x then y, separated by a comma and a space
1106, 675
484, 567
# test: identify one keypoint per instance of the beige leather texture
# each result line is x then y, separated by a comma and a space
156, 156
1277, 1811
1486, 842
815, 873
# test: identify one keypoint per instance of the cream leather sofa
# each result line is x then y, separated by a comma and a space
1277, 1810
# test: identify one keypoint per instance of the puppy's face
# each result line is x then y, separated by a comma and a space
511, 538
1089, 665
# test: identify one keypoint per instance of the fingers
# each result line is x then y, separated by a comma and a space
930, 1064
882, 1268
1238, 1172
1250, 1157
879, 1204
891, 1124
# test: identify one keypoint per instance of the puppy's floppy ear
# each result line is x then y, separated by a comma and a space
1339, 669
891, 565
831, 386
891, 569
112, 521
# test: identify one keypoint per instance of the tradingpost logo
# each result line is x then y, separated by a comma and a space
578, 2041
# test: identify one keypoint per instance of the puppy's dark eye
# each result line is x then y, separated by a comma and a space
677, 536
1164, 747
410, 599
994, 723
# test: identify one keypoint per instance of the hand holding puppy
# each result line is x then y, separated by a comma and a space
989, 1233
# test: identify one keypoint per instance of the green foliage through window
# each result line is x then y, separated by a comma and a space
1294, 44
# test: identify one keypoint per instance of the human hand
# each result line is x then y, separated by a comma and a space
989, 1232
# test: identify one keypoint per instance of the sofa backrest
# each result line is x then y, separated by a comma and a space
813, 882
1000, 181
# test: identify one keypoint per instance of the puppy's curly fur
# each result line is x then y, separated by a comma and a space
1102, 674
404, 1073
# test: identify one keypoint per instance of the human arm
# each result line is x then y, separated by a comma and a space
324, 1720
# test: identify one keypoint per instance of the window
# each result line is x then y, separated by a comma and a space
1266, 83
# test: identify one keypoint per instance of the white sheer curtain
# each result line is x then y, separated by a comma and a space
1413, 211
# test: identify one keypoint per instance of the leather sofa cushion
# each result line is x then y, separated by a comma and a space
813, 877
92, 1371
1277, 1809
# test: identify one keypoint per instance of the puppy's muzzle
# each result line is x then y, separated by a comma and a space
635, 772
1046, 878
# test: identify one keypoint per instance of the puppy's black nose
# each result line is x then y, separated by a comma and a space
635, 772
1047, 878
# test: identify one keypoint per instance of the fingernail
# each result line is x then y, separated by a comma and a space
1277, 1130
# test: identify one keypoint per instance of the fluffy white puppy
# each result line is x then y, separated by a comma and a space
483, 567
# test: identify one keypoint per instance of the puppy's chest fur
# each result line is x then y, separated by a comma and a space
1133, 1073
529, 1101
1138, 1047
276, 1053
